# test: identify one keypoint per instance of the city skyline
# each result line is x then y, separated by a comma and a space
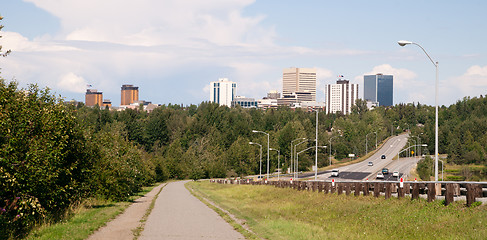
182, 46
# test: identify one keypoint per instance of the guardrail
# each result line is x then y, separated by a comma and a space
448, 190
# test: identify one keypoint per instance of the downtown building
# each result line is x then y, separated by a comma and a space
223, 92
378, 90
298, 85
93, 98
340, 97
129, 94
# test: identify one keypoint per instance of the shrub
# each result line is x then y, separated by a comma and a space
42, 158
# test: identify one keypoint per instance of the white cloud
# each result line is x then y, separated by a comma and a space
72, 83
323, 74
402, 77
18, 43
472, 83
155, 22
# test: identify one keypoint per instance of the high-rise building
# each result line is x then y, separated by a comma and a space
340, 97
93, 97
129, 95
223, 92
379, 88
301, 82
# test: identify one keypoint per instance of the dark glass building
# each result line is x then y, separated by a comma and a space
379, 88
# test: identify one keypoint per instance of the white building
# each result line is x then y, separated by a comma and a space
223, 92
267, 103
301, 82
340, 97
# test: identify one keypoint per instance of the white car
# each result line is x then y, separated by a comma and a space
334, 173
380, 175
371, 164
395, 174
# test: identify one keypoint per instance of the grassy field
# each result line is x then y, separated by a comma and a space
275, 213
84, 219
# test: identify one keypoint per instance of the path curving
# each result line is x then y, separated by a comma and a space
179, 215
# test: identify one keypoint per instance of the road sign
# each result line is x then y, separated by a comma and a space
412, 152
401, 184
351, 155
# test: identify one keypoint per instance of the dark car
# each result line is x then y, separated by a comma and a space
383, 157
385, 171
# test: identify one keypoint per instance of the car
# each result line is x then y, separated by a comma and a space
385, 171
383, 157
395, 174
335, 173
380, 175
371, 164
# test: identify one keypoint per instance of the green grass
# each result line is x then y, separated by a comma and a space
84, 219
275, 213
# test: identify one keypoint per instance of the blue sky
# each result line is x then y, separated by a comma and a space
172, 49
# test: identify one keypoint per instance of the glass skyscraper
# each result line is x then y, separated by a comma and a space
379, 88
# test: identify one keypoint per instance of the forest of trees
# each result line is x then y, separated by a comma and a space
54, 154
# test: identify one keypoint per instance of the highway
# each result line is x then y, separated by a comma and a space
362, 171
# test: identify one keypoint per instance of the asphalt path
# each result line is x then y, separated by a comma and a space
362, 171
179, 215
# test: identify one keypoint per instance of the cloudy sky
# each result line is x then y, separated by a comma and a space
172, 49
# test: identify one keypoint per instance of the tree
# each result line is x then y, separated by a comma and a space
3, 54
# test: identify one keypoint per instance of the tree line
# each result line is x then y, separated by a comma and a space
53, 154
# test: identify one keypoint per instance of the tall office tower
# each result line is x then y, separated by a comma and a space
379, 88
129, 95
223, 92
340, 97
301, 82
93, 97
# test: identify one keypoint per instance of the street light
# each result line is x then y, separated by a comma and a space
330, 145
409, 152
442, 163
292, 154
366, 143
297, 158
295, 163
422, 145
404, 43
278, 161
255, 131
260, 171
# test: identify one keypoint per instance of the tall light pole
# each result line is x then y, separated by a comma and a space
407, 149
442, 163
404, 43
260, 171
292, 153
278, 161
295, 162
297, 157
330, 145
316, 147
255, 131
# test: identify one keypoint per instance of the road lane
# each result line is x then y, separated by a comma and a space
361, 170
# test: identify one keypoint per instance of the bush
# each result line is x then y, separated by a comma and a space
425, 168
43, 158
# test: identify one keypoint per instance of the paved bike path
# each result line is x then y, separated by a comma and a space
179, 215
